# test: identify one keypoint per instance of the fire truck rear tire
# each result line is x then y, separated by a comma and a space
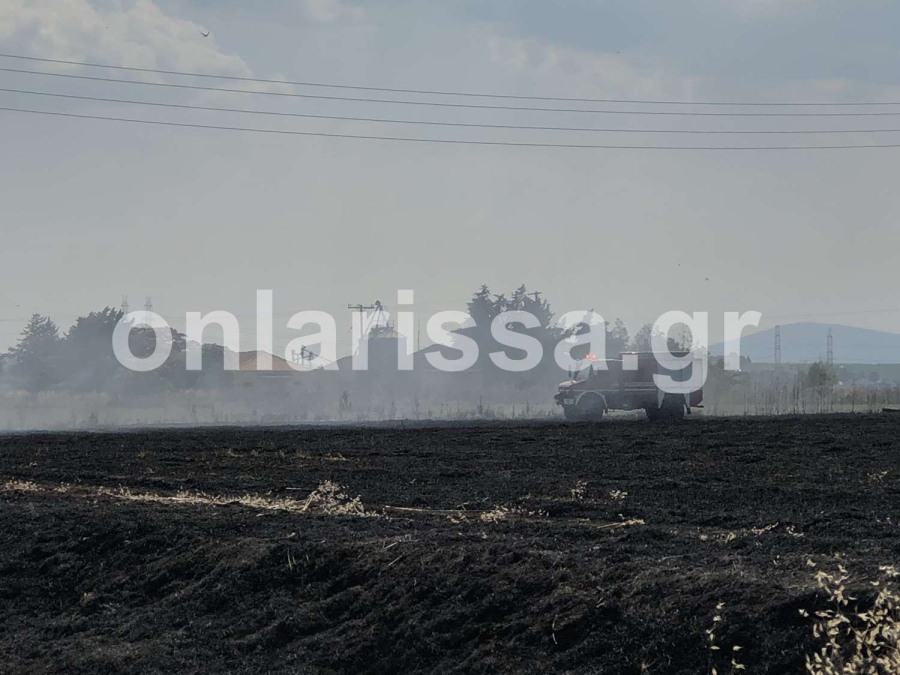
672, 408
570, 412
590, 407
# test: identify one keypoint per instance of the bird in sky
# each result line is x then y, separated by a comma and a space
206, 34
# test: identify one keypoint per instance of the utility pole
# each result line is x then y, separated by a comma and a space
777, 346
361, 308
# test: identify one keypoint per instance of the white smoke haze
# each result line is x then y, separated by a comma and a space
110, 369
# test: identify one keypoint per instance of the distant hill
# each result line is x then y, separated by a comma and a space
806, 343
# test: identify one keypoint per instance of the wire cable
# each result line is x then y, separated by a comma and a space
437, 92
344, 118
447, 141
443, 104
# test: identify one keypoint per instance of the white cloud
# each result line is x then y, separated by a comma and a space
587, 73
575, 72
137, 34
329, 11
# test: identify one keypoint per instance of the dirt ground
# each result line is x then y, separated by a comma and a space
486, 548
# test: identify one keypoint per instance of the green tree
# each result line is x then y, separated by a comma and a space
89, 361
680, 338
522, 301
532, 303
616, 339
482, 308
818, 375
36, 356
641, 340
485, 306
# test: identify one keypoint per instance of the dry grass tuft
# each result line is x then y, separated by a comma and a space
856, 642
200, 499
725, 537
759, 531
21, 486
716, 653
729, 536
329, 457
495, 515
631, 522
499, 513
330, 498
578, 492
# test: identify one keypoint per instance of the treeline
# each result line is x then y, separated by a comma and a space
82, 360
485, 306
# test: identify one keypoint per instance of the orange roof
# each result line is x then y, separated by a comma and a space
249, 360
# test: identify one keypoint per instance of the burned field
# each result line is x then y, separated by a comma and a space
540, 547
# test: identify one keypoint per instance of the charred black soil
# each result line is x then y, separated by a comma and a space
488, 548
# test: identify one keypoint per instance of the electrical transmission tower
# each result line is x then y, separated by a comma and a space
126, 308
148, 304
829, 360
777, 345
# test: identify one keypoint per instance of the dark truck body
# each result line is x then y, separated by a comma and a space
599, 390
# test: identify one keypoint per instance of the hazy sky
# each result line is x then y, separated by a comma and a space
92, 210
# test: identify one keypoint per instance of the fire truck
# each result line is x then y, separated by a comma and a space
627, 383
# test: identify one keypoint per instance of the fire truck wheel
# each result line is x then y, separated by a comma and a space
571, 413
590, 407
672, 408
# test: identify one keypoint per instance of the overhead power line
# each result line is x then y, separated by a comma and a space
345, 118
438, 92
445, 104
446, 141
